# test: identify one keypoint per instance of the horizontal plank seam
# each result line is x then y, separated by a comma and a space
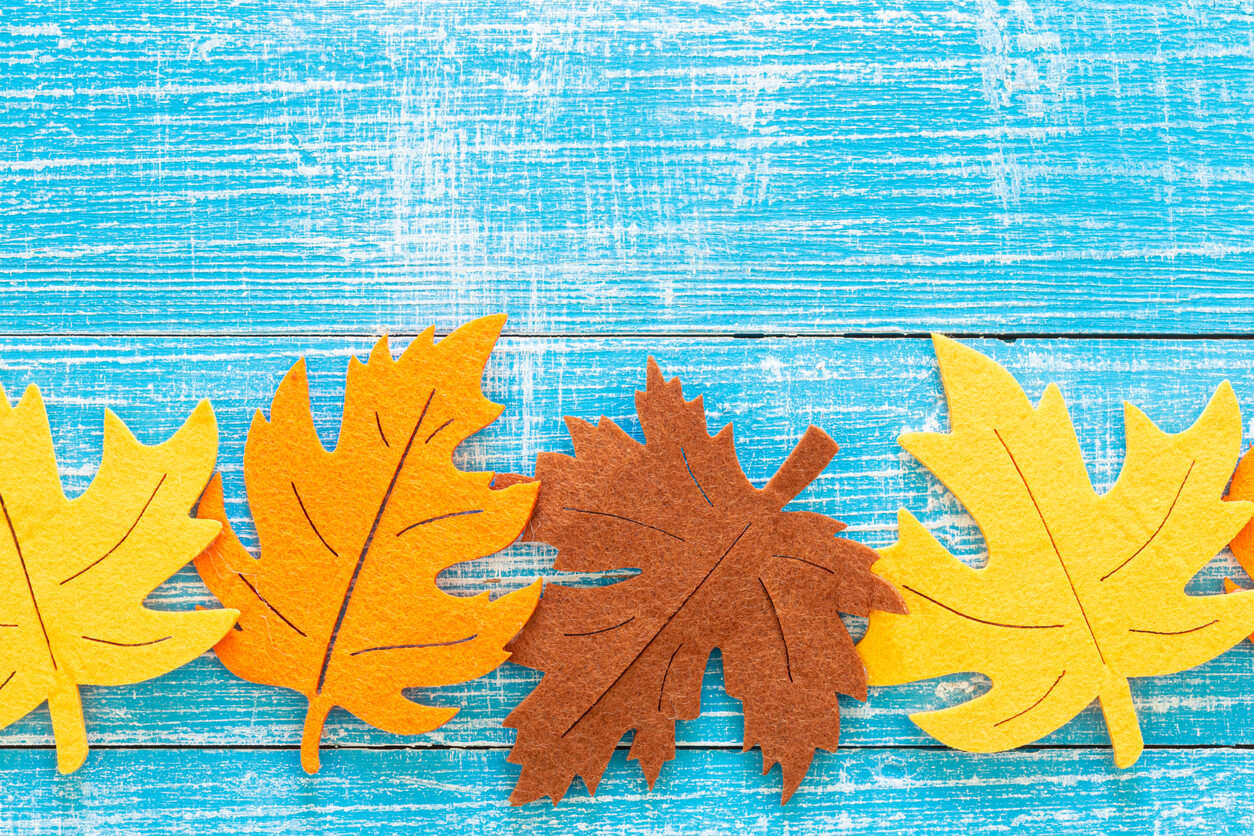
501, 747
1005, 336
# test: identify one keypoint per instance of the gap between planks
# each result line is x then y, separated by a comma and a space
1004, 336
696, 747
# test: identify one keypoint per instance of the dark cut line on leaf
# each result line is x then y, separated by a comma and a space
437, 519
469, 638
309, 519
365, 547
1166, 516
665, 623
662, 688
1039, 700
779, 625
961, 614
127, 644
379, 424
7, 679
17, 546
807, 562
1053, 543
272, 607
119, 543
1210, 623
603, 629
693, 477
437, 431
8, 625
624, 519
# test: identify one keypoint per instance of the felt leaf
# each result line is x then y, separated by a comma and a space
342, 604
1242, 489
722, 566
1080, 591
76, 571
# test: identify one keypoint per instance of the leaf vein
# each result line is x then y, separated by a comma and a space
961, 614
624, 519
1161, 524
1062, 563
1039, 700
119, 543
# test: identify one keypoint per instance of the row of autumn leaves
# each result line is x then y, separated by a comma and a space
1080, 592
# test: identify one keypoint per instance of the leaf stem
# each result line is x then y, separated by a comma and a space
311, 735
1121, 721
806, 461
68, 728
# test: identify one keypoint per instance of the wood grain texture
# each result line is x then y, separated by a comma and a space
768, 167
864, 392
193, 194
702, 791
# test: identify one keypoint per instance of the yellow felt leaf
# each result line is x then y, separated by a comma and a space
1080, 591
76, 572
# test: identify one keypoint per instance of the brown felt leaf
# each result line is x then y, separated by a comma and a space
722, 566
342, 605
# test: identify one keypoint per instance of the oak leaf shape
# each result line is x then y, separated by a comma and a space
722, 566
1080, 591
76, 571
342, 605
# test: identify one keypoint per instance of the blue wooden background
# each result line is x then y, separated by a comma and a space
778, 198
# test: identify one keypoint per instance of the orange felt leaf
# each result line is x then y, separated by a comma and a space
1242, 545
342, 605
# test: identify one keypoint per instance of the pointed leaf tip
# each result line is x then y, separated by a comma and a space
475, 339
680, 510
380, 352
116, 431
653, 373
1019, 472
86, 591
1225, 401
391, 468
293, 388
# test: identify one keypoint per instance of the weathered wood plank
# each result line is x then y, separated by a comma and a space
864, 392
862, 791
783, 167
743, 167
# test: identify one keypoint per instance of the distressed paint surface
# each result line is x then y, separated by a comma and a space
864, 392
858, 791
194, 194
592, 167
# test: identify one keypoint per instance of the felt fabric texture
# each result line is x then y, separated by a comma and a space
1080, 591
1241, 489
76, 572
722, 566
342, 604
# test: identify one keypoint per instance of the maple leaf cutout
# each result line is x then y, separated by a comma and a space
1080, 591
342, 606
721, 566
1242, 489
77, 571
